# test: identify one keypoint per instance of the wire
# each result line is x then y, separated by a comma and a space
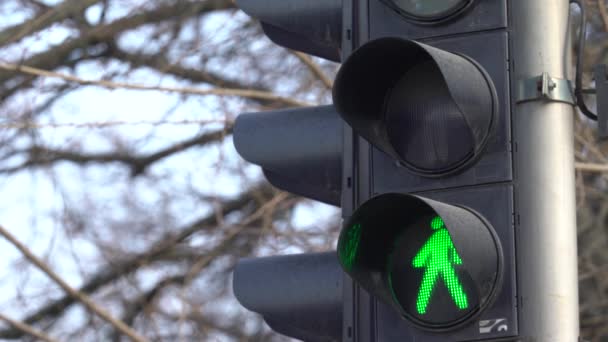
104, 124
578, 83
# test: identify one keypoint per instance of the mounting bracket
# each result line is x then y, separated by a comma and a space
545, 87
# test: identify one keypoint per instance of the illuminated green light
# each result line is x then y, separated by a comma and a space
438, 256
437, 223
348, 250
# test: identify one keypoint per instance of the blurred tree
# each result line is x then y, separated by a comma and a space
117, 170
115, 153
592, 191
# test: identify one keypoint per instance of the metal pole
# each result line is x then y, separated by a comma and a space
544, 168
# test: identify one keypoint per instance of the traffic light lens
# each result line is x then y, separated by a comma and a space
348, 248
438, 256
424, 125
437, 223
427, 275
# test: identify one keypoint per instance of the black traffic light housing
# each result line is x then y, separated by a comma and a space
489, 50
434, 115
298, 295
310, 26
459, 69
421, 256
398, 94
300, 150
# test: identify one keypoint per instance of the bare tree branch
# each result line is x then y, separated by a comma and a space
60, 12
603, 13
146, 241
130, 264
315, 69
26, 328
81, 297
58, 55
254, 94
42, 156
591, 167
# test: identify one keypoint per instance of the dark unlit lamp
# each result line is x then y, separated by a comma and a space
430, 109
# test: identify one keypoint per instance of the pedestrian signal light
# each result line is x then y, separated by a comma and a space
439, 265
438, 257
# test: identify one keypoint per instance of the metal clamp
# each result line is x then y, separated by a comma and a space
546, 88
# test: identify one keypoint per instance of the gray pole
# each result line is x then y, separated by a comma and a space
544, 168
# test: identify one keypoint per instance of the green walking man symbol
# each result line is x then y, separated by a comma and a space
438, 256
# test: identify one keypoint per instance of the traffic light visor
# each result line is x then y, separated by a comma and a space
310, 26
430, 109
439, 265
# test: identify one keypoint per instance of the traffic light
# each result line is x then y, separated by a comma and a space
299, 151
298, 295
436, 177
398, 94
431, 237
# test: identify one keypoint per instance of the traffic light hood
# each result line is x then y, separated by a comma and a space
300, 149
430, 109
311, 26
437, 264
298, 295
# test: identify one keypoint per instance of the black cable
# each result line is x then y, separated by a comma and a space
578, 83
